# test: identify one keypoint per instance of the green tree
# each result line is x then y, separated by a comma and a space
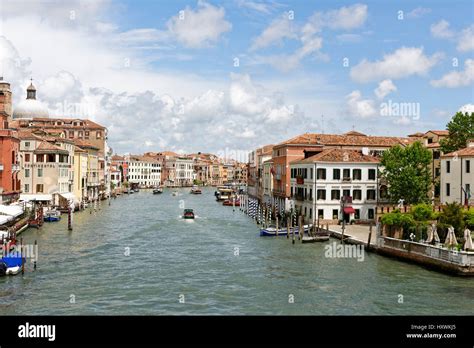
407, 172
452, 215
461, 129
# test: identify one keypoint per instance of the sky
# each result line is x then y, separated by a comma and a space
229, 76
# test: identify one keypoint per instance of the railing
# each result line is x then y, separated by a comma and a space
463, 258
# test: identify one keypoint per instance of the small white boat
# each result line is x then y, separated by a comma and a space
52, 215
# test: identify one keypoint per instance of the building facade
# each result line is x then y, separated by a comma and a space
319, 182
457, 176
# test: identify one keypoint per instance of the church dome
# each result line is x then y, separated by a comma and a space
30, 107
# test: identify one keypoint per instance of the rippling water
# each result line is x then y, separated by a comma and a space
170, 257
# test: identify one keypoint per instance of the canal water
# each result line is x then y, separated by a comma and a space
139, 257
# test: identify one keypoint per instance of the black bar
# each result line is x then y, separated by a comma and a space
262, 330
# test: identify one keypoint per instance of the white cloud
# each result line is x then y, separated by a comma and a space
418, 12
441, 30
404, 62
464, 38
199, 28
263, 7
63, 86
279, 29
469, 108
384, 88
363, 108
344, 18
457, 78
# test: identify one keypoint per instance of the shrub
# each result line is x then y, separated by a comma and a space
469, 219
422, 212
453, 215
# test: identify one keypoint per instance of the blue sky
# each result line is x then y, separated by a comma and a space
180, 84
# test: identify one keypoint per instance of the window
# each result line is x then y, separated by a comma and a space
80, 134
321, 174
468, 189
356, 174
321, 214
336, 174
321, 194
39, 188
27, 173
346, 193
86, 134
71, 134
27, 157
98, 134
371, 174
310, 194
448, 167
371, 214
371, 194
27, 144
311, 174
335, 214
448, 190
357, 214
468, 166
357, 195
436, 154
40, 158
335, 194
430, 140
437, 172
27, 188
346, 174
51, 158
40, 173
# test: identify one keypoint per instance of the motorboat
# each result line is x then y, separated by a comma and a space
231, 202
11, 265
195, 190
51, 215
188, 214
157, 190
282, 231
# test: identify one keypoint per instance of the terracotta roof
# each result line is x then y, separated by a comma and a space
78, 149
143, 158
84, 144
45, 146
433, 145
117, 158
27, 134
416, 135
339, 155
169, 153
67, 122
355, 133
438, 132
347, 140
466, 152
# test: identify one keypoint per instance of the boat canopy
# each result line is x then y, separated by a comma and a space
11, 210
69, 196
36, 197
5, 218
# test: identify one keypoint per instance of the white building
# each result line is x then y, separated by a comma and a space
457, 176
181, 171
144, 171
319, 182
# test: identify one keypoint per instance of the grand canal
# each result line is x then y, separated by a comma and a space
216, 264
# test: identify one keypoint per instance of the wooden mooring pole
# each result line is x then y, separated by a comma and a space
370, 236
276, 221
69, 219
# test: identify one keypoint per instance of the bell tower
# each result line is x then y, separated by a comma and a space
5, 103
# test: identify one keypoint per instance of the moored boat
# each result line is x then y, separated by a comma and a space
230, 202
315, 238
157, 190
272, 232
188, 214
11, 265
52, 215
